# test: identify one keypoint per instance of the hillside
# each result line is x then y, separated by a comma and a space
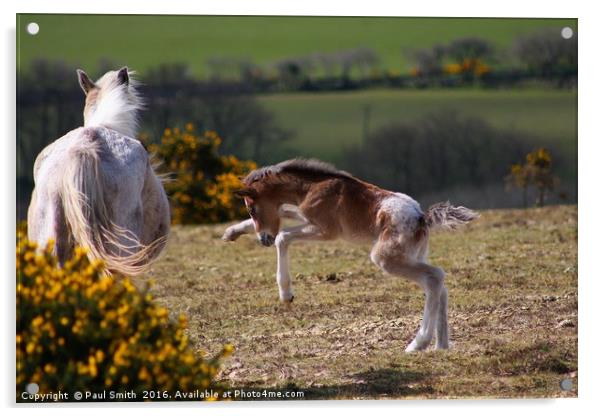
327, 122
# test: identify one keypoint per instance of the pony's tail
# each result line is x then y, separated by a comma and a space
444, 215
89, 218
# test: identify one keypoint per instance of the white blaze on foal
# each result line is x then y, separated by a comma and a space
333, 204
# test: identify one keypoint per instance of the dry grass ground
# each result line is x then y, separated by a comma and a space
512, 281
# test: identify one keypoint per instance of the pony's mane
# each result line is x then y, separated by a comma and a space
311, 168
117, 104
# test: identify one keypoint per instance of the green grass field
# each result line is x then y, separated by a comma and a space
512, 279
145, 41
325, 123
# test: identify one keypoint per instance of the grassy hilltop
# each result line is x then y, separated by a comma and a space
512, 280
144, 41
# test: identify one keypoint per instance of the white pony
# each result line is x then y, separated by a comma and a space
96, 186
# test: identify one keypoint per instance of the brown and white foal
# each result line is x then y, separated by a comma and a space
333, 204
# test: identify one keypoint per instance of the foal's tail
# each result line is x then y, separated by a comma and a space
446, 216
89, 217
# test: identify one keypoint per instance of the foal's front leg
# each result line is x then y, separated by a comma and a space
247, 227
284, 238
236, 230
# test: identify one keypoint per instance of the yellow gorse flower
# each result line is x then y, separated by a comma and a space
104, 332
202, 180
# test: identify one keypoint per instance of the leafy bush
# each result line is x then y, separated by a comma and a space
78, 330
202, 180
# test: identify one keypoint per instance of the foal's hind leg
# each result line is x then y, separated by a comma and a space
442, 331
392, 258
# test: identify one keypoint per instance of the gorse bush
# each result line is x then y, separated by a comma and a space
536, 171
201, 181
80, 331
465, 56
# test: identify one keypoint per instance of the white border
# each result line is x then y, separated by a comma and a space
590, 154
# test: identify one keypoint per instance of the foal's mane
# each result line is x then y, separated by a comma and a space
308, 168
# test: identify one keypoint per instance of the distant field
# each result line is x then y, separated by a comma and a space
325, 123
512, 278
145, 41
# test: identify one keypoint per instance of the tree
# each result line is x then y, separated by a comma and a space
293, 72
547, 52
429, 61
470, 48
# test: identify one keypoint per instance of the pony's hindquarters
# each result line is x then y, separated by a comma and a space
104, 201
96, 181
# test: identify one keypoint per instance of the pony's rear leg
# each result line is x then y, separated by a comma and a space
428, 277
283, 240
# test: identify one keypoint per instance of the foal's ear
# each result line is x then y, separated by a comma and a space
122, 76
84, 81
246, 193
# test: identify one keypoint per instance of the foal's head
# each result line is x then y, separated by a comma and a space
263, 209
112, 101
